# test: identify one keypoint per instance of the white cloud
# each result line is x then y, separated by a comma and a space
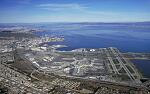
57, 7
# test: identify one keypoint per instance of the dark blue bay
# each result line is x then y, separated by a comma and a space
143, 66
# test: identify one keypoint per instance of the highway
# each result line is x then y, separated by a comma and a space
11, 81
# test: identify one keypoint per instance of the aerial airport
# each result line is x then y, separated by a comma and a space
30, 66
74, 46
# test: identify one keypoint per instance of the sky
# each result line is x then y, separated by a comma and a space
31, 11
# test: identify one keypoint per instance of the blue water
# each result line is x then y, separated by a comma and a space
127, 37
143, 66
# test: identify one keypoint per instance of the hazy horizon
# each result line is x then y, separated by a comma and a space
70, 22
